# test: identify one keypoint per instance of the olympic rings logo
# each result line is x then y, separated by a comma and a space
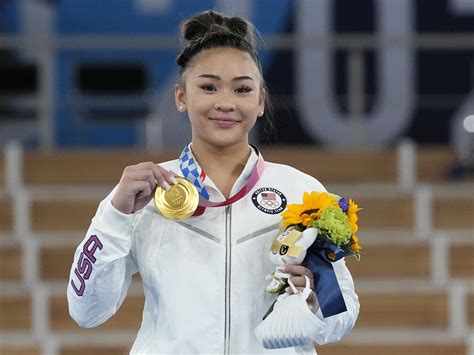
269, 200
270, 204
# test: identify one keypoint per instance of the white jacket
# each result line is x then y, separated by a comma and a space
204, 278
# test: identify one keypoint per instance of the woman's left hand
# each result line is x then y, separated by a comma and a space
298, 273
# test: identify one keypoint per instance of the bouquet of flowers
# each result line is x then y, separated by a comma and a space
315, 233
333, 216
324, 225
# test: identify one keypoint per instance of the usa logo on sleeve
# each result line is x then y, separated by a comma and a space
269, 200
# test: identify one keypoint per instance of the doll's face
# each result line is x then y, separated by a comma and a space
223, 96
282, 257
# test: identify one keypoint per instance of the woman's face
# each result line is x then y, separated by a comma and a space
223, 96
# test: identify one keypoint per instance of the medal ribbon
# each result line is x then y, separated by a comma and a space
191, 172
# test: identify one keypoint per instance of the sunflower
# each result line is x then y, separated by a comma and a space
355, 246
352, 214
312, 207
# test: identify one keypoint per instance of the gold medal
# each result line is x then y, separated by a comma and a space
179, 202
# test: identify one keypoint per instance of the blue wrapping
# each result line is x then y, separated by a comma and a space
326, 286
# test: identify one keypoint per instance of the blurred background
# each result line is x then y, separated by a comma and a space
375, 98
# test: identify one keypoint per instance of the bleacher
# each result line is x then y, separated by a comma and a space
415, 279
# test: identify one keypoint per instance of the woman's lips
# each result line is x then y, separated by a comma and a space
224, 122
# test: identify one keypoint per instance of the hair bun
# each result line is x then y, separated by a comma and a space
211, 22
241, 28
211, 29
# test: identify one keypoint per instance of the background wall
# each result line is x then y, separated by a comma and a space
342, 74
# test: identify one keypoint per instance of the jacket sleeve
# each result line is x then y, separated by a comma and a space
103, 267
333, 328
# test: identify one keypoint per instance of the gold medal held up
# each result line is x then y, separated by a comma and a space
179, 202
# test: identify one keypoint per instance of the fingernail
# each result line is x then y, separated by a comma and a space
287, 290
173, 180
166, 186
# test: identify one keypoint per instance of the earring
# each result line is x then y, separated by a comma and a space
261, 114
181, 108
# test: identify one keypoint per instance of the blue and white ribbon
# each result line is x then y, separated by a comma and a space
191, 171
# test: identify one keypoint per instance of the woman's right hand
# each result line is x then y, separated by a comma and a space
138, 184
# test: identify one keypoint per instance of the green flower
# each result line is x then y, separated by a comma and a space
335, 224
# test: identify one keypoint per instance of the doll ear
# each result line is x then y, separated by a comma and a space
308, 238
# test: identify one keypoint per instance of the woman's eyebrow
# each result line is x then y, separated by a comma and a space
216, 77
243, 77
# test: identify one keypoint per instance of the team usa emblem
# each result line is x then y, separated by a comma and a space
269, 200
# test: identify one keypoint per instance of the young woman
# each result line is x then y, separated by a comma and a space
203, 277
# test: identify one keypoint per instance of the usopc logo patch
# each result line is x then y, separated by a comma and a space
269, 200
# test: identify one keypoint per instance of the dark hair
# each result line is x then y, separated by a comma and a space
210, 29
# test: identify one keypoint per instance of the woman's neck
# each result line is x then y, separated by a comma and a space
222, 164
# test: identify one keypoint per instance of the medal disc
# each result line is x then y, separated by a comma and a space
179, 201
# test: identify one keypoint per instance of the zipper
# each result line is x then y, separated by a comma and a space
228, 263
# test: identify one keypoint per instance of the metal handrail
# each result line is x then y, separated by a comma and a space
338, 41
